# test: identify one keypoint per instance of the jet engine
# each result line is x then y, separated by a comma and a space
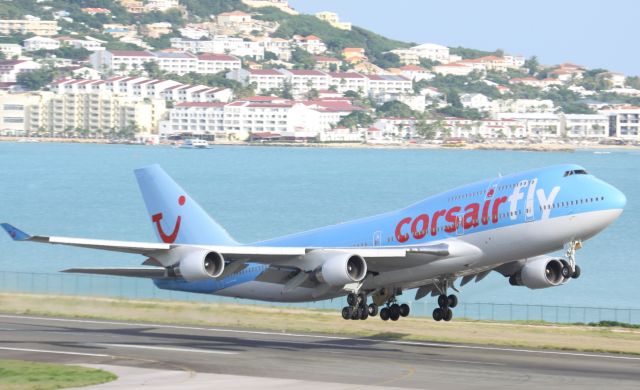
199, 265
540, 272
340, 269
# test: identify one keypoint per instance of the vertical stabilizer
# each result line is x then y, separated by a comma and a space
175, 216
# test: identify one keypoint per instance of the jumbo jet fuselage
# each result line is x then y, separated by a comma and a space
501, 222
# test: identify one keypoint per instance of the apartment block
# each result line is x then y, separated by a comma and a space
624, 122
221, 44
29, 26
264, 79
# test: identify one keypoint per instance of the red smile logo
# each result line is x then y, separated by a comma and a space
168, 238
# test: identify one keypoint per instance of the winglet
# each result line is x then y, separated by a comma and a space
15, 233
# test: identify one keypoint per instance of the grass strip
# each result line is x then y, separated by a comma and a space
610, 339
23, 375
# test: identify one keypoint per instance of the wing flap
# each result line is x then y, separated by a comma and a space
147, 272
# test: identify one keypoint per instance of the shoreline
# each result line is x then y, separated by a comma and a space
541, 147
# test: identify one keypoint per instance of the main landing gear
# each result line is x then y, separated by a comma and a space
445, 303
359, 310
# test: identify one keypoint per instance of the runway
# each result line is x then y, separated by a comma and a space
253, 358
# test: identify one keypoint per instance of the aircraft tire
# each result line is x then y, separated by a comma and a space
443, 301
404, 310
346, 312
448, 315
352, 299
577, 273
384, 314
453, 301
364, 313
394, 315
394, 311
373, 310
437, 314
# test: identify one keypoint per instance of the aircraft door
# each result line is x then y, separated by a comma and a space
377, 238
529, 206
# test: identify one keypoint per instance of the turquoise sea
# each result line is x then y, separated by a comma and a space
261, 192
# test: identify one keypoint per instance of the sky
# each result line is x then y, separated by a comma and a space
592, 33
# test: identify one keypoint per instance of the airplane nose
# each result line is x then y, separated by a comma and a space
617, 200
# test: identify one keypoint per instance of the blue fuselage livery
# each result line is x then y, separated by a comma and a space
505, 224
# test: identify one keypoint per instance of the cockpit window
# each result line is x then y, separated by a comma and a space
576, 172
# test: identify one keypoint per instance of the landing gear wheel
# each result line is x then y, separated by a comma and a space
384, 314
404, 310
453, 301
346, 312
395, 315
437, 314
364, 313
373, 310
356, 313
394, 311
566, 272
443, 301
352, 299
448, 315
576, 273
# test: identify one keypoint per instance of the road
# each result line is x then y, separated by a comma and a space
280, 360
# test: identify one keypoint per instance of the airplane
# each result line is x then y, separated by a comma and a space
507, 224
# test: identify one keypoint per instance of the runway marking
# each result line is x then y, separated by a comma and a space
172, 349
55, 352
468, 362
324, 337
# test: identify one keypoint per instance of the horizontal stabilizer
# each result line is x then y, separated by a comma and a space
147, 272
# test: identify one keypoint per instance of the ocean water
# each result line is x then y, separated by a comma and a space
262, 192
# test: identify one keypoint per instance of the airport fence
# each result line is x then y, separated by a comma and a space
133, 288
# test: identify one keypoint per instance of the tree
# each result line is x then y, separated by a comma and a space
302, 58
269, 55
428, 130
395, 108
312, 94
153, 69
532, 65
36, 79
356, 119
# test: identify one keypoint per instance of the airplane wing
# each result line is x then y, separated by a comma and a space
378, 259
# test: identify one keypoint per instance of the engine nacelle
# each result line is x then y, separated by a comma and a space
539, 272
201, 264
340, 269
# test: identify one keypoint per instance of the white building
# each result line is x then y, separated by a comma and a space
221, 44
475, 100
521, 106
585, 126
87, 44
264, 79
10, 69
624, 122
433, 52
333, 19
40, 43
388, 84
538, 125
10, 50
310, 43
303, 81
122, 62
160, 5
453, 69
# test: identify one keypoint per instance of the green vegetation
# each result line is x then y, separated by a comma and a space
466, 53
201, 9
335, 39
63, 52
39, 78
23, 375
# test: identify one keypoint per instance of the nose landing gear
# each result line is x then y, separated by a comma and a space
571, 269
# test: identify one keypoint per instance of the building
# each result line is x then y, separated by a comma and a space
475, 100
415, 73
388, 84
264, 79
310, 43
11, 50
143, 87
122, 61
29, 26
282, 5
221, 44
160, 5
616, 80
234, 17
624, 122
433, 52
96, 11
278, 46
585, 126
119, 30
333, 19
534, 82
73, 114
303, 81
521, 106
40, 43
87, 44
453, 69
327, 63
14, 110
133, 6
10, 69
156, 30
354, 54
538, 125
256, 116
